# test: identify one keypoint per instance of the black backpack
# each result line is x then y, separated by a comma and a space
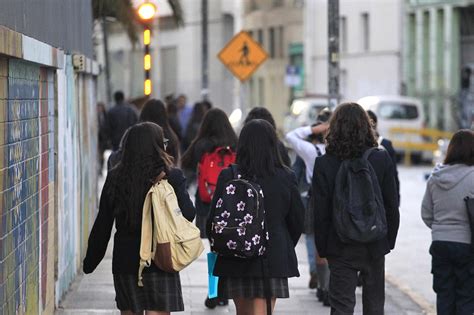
358, 209
238, 221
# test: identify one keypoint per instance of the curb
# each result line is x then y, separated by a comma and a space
426, 306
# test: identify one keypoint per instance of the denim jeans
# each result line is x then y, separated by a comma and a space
453, 277
311, 249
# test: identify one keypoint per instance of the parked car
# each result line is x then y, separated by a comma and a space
303, 112
398, 111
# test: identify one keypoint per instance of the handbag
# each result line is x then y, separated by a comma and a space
470, 213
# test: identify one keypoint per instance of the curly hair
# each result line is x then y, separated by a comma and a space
350, 132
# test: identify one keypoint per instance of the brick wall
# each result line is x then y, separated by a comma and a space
26, 188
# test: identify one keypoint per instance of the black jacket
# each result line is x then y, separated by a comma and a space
324, 175
284, 215
387, 144
119, 119
126, 254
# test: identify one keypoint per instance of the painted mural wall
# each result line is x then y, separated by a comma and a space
77, 178
48, 181
26, 188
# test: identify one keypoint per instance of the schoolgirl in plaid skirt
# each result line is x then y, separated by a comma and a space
241, 279
143, 161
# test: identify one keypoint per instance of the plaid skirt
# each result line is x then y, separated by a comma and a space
161, 291
240, 287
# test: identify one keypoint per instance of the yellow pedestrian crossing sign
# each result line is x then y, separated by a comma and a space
242, 55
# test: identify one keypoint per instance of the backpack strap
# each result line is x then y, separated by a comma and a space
368, 152
235, 170
146, 241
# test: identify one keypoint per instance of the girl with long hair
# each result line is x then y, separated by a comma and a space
155, 111
241, 279
445, 213
349, 136
215, 131
144, 162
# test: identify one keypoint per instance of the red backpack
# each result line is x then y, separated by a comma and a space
211, 165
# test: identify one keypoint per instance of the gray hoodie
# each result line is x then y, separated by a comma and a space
443, 208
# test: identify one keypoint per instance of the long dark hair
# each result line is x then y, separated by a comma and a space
350, 132
216, 128
257, 150
461, 148
155, 111
260, 113
143, 159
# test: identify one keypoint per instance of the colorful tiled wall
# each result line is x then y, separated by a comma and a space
27, 172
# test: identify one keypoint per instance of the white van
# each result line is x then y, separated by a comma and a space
396, 111
304, 111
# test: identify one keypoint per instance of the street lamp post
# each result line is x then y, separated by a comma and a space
146, 12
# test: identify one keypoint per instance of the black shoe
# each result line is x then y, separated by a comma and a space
211, 303
326, 298
222, 302
320, 294
313, 281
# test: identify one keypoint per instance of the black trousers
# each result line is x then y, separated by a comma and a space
343, 283
453, 277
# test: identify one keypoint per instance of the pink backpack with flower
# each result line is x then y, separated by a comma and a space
238, 220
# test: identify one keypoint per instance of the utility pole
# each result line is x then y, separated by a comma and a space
204, 50
105, 39
333, 52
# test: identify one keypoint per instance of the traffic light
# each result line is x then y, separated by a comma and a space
146, 12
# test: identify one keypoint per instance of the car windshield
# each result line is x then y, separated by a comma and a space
395, 110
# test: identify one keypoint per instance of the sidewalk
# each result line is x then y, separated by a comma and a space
94, 293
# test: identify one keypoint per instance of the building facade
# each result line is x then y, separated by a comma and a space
278, 26
439, 45
48, 150
177, 55
370, 41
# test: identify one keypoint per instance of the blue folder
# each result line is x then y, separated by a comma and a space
213, 280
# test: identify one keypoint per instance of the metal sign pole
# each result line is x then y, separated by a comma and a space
333, 52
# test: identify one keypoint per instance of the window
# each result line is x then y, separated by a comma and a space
260, 37
343, 34
250, 33
261, 92
365, 31
271, 38
394, 110
277, 3
281, 52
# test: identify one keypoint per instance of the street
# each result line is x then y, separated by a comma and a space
408, 285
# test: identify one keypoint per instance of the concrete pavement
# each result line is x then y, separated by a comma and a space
94, 293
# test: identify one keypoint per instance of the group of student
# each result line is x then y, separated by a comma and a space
336, 140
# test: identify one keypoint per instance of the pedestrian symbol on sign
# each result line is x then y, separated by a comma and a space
242, 55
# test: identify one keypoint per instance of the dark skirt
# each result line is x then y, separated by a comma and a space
251, 288
161, 291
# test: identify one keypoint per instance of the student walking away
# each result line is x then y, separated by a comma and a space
263, 113
387, 145
308, 144
102, 134
123, 195
216, 141
199, 110
444, 211
120, 118
184, 112
351, 246
173, 119
155, 111
250, 265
